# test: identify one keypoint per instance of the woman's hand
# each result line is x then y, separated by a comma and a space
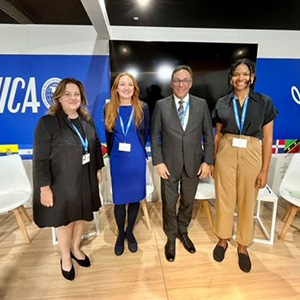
46, 196
262, 179
99, 176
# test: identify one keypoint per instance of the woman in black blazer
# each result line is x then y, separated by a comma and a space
67, 166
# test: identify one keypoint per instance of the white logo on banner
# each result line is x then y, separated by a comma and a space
48, 90
10, 89
295, 94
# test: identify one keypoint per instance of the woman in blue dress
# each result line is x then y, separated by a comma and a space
127, 123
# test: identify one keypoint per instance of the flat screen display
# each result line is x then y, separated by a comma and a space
152, 63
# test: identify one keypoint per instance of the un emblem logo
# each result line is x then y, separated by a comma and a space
48, 90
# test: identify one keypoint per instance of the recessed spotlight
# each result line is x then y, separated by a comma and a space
136, 18
143, 2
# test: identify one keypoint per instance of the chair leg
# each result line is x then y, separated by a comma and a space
293, 211
208, 214
286, 213
25, 213
22, 225
146, 214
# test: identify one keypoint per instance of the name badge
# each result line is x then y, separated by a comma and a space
85, 158
239, 143
124, 147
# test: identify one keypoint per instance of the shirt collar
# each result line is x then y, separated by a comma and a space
252, 96
185, 99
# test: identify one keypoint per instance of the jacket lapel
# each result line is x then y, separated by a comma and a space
192, 114
172, 107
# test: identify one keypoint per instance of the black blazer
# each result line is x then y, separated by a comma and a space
57, 161
142, 131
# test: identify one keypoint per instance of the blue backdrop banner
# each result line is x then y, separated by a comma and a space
280, 79
27, 83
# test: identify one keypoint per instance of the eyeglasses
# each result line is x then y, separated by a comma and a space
184, 81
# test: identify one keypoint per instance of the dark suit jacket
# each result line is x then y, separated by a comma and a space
177, 148
142, 131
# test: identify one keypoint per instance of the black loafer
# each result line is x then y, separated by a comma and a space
132, 243
82, 262
219, 252
170, 251
119, 246
244, 262
69, 275
187, 243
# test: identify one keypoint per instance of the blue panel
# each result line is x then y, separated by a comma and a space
280, 79
24, 76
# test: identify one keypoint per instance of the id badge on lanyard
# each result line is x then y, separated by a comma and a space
125, 147
85, 144
240, 142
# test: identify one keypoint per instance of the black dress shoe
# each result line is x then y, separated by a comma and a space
132, 243
187, 243
219, 252
69, 275
244, 262
119, 246
82, 262
170, 250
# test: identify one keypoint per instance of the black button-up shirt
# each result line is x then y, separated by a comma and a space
260, 112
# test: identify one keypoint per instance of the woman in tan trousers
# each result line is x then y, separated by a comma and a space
244, 135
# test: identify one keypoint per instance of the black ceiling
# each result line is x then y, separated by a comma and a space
276, 14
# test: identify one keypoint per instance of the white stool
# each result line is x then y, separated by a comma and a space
84, 236
266, 195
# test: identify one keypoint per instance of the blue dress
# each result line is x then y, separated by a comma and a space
128, 169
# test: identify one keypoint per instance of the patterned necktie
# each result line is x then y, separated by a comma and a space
180, 109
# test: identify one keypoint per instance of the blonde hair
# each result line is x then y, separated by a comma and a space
113, 105
59, 92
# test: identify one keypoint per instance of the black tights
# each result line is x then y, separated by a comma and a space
120, 215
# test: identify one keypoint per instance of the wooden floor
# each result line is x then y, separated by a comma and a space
33, 271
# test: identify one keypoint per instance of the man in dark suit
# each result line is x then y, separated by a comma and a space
183, 152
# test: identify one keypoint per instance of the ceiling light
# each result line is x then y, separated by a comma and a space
136, 18
143, 2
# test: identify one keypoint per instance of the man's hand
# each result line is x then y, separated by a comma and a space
204, 171
163, 171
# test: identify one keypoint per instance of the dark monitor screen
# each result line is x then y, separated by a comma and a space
152, 63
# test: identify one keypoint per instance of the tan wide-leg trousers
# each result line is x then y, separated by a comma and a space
236, 171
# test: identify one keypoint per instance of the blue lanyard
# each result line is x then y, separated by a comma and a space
240, 123
85, 142
128, 124
185, 112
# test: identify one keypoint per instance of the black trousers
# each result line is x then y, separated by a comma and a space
174, 222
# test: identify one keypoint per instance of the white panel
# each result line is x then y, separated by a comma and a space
132, 33
49, 39
13, 39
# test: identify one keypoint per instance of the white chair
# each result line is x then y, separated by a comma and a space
205, 192
290, 191
15, 190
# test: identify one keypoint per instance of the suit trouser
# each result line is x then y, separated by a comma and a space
236, 171
173, 223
